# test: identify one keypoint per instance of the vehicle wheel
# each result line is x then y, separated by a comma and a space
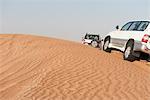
94, 44
148, 59
106, 44
128, 53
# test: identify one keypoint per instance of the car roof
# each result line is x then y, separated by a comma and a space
91, 34
140, 21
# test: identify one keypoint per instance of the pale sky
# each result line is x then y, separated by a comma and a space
69, 19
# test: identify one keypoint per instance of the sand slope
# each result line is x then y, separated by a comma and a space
39, 68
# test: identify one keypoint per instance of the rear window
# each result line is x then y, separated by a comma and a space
92, 37
143, 26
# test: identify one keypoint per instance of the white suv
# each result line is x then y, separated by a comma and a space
131, 39
92, 39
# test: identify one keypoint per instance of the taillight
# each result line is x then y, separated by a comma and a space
145, 38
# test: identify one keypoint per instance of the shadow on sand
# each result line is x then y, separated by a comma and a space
143, 56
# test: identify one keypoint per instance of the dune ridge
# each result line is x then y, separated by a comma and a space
41, 68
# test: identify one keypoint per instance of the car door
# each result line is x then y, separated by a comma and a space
138, 34
119, 37
133, 30
137, 30
127, 32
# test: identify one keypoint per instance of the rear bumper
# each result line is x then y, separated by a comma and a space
145, 49
139, 46
84, 42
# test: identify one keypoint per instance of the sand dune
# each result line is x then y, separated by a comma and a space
40, 68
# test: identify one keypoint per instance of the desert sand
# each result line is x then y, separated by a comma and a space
40, 68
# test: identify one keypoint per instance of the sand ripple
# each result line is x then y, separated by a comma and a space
40, 68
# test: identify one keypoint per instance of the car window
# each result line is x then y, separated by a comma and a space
134, 26
126, 26
143, 26
96, 38
93, 37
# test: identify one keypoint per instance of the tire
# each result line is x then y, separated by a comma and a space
106, 44
94, 44
128, 53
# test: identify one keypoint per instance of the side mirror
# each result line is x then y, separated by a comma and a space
117, 27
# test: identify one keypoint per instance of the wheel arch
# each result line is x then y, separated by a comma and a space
130, 40
107, 37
